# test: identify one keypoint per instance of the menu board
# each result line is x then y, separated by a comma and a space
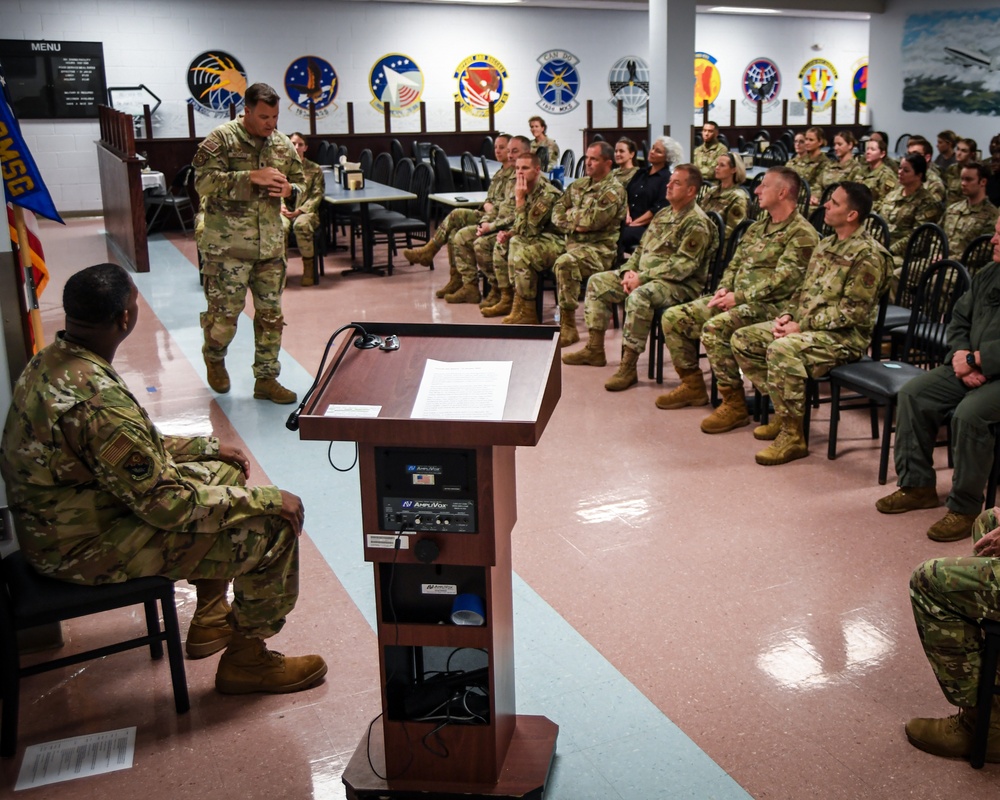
54, 80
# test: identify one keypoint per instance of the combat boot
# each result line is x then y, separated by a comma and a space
951, 737
453, 285
503, 306
270, 389
308, 272
592, 355
422, 255
789, 444
210, 631
492, 297
469, 293
627, 375
769, 432
522, 312
908, 498
218, 376
952, 527
731, 414
248, 666
568, 334
691, 392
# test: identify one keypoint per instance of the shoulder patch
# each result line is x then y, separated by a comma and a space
210, 145
138, 465
117, 449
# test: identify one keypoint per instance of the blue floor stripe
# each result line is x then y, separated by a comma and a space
613, 742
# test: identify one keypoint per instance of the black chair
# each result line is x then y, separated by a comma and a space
178, 198
580, 166
802, 202
978, 253
543, 156
901, 143
924, 347
366, 161
470, 173
487, 150
568, 161
596, 138
486, 173
382, 169
402, 177
28, 600
396, 150
327, 155
988, 688
321, 151
731, 242
878, 228
414, 223
927, 245
817, 218
341, 152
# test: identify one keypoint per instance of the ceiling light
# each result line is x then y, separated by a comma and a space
735, 10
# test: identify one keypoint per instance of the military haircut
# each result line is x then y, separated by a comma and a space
919, 141
260, 93
632, 147
918, 162
607, 151
536, 118
522, 139
981, 169
790, 178
710, 122
536, 162
98, 294
694, 179
859, 198
499, 136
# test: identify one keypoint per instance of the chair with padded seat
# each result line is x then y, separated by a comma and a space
470, 173
178, 198
927, 244
28, 599
568, 161
414, 221
487, 149
876, 225
978, 253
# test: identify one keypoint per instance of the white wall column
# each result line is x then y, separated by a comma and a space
671, 68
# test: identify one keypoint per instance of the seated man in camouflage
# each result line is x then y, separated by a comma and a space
764, 273
706, 155
461, 218
590, 214
668, 267
974, 215
829, 321
949, 595
934, 183
100, 496
301, 216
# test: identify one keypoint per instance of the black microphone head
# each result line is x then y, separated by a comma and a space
292, 423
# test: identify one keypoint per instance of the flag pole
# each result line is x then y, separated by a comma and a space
24, 254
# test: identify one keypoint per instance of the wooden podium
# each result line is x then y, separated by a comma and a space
438, 505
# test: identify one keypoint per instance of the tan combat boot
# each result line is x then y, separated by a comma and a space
627, 375
592, 355
218, 376
691, 392
951, 737
522, 312
469, 293
422, 255
789, 444
732, 413
270, 389
503, 306
769, 432
308, 272
908, 498
210, 631
248, 666
952, 527
568, 334
492, 297
453, 285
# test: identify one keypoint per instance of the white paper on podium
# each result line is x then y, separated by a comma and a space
77, 757
462, 390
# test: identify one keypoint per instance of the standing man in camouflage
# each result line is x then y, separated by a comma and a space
590, 214
243, 169
668, 267
706, 155
473, 245
535, 243
974, 215
948, 596
461, 218
829, 321
765, 271
302, 216
100, 496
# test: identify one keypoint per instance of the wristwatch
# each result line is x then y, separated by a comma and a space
970, 359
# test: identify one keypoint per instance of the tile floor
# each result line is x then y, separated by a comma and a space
698, 626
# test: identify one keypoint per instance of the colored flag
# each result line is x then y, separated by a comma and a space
34, 245
22, 182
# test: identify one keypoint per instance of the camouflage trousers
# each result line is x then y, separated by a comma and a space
684, 325
454, 222
497, 267
226, 284
530, 256
473, 252
924, 404
578, 263
780, 367
605, 290
949, 596
304, 227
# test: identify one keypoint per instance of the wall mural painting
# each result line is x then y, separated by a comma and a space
951, 62
707, 80
818, 82
628, 81
216, 79
311, 78
761, 83
558, 82
481, 78
396, 79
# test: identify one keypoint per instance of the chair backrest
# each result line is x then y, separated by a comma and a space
366, 163
487, 149
341, 152
396, 149
817, 218
382, 169
580, 167
901, 143
402, 177
939, 287
704, 189
486, 173
568, 161
879, 228
183, 183
596, 138
543, 156
717, 259
978, 253
732, 241
321, 151
724, 140
927, 244
470, 173
802, 201
422, 185
443, 178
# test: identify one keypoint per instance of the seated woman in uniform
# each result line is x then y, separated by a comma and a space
879, 177
727, 196
908, 205
844, 168
965, 151
647, 192
811, 163
625, 168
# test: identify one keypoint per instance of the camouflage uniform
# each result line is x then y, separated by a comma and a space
963, 222
672, 262
809, 169
461, 218
624, 176
599, 208
536, 243
904, 213
101, 497
934, 184
730, 203
243, 244
948, 596
880, 181
835, 306
705, 158
952, 177
306, 223
765, 271
835, 172
471, 249
550, 147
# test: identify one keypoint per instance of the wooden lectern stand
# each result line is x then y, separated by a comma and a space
438, 505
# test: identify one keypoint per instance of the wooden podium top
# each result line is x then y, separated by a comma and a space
391, 380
